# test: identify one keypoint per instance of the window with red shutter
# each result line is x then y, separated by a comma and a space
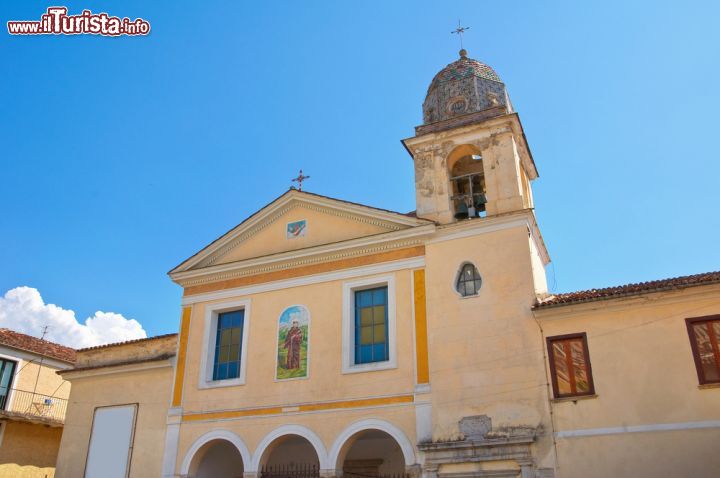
570, 365
704, 335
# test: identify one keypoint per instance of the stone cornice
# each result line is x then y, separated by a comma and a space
305, 257
525, 217
442, 142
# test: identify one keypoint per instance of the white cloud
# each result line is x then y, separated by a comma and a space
23, 309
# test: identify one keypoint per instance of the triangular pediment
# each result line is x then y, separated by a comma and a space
295, 221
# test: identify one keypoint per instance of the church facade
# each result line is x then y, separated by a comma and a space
321, 337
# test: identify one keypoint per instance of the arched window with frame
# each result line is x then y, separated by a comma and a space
468, 280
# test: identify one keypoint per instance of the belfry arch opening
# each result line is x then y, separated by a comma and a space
371, 454
217, 459
289, 456
467, 182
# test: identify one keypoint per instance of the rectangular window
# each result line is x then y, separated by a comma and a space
704, 340
570, 365
228, 345
371, 325
7, 370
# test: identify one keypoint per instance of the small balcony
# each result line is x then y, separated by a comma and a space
33, 407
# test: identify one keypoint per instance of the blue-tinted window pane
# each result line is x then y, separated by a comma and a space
371, 331
228, 345
222, 371
379, 296
379, 352
7, 370
233, 369
363, 298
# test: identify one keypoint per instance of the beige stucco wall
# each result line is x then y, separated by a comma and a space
322, 228
139, 350
326, 381
478, 351
28, 450
485, 356
30, 371
644, 375
150, 389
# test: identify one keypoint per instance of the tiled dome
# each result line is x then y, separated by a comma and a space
463, 68
464, 87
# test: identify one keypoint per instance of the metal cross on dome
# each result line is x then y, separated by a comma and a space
300, 180
459, 32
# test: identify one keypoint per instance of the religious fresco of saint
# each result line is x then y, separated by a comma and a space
292, 346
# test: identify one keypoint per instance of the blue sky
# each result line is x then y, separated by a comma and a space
123, 156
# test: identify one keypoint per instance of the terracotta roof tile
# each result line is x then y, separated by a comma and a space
630, 289
32, 344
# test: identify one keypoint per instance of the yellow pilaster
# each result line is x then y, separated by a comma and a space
181, 356
421, 339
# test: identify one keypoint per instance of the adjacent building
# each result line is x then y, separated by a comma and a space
119, 401
634, 378
33, 402
325, 338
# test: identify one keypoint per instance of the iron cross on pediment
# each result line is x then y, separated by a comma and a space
301, 177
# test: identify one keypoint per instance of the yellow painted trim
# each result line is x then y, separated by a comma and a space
182, 351
309, 407
421, 338
370, 259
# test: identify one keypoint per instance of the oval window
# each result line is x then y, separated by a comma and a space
468, 281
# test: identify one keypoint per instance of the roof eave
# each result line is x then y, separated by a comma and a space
549, 305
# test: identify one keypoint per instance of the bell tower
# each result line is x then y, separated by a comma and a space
471, 156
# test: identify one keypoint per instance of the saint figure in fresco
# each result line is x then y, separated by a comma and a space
293, 340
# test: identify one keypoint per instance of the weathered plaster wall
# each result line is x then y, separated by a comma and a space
29, 450
644, 376
128, 352
150, 389
498, 143
30, 371
485, 354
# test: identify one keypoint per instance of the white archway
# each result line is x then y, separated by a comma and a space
402, 440
284, 430
218, 434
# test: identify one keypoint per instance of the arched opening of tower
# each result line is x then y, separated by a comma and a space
290, 456
468, 186
372, 454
